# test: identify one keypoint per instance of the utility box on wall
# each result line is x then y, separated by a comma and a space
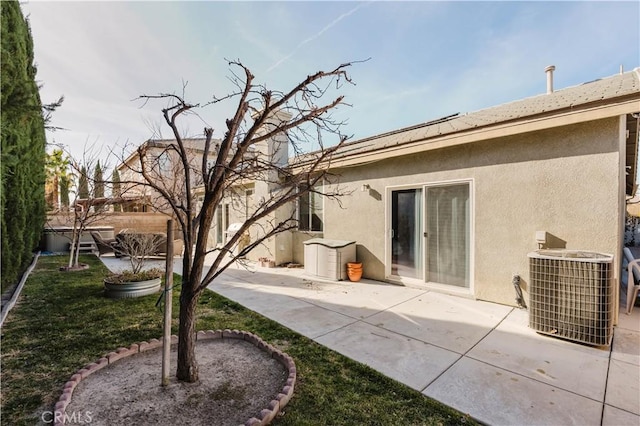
328, 258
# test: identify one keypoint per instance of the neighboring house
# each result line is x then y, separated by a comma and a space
455, 204
162, 163
242, 199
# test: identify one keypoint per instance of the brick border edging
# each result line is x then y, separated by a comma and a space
265, 416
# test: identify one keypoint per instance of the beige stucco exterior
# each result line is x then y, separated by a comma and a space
242, 200
164, 166
565, 181
554, 163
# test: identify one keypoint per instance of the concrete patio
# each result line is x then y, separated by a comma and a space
478, 357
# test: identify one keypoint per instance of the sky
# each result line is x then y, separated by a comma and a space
425, 59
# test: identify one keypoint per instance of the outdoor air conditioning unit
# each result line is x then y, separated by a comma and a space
571, 295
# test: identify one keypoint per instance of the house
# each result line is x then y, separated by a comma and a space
162, 163
455, 204
244, 195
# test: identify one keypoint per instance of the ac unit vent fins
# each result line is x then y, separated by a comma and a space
571, 295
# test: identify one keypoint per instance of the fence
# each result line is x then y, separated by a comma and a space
140, 222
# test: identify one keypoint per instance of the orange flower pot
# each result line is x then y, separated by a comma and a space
354, 271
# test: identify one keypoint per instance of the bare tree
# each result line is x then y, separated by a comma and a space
253, 149
139, 247
86, 209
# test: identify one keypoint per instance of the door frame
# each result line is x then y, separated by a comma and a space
422, 283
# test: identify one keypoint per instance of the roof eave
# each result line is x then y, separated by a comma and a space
567, 116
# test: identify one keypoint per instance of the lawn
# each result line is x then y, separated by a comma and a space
63, 321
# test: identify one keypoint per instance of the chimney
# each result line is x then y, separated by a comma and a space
549, 70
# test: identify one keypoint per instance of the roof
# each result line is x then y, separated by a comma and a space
603, 91
194, 145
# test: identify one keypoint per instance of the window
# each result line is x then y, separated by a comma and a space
164, 164
248, 203
221, 223
310, 212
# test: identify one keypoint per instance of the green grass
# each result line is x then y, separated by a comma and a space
63, 321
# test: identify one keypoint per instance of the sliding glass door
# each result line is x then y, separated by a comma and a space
431, 233
448, 234
406, 233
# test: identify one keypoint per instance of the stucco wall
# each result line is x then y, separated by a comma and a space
298, 239
564, 181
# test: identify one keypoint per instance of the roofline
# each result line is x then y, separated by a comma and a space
607, 108
131, 156
156, 143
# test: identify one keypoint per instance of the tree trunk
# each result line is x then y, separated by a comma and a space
72, 247
187, 366
76, 257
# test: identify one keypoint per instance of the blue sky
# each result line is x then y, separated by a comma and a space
428, 59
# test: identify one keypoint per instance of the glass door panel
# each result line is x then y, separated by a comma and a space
448, 234
406, 226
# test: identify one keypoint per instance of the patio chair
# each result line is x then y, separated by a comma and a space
104, 245
633, 279
178, 246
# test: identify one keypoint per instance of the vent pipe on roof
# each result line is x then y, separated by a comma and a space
549, 70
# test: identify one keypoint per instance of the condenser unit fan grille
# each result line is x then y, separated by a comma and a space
571, 295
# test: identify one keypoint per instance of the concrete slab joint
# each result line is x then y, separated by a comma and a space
265, 416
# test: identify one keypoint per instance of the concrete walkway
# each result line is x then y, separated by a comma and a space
477, 357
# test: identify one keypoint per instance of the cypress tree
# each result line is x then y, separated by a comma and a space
98, 182
23, 145
83, 184
64, 190
117, 190
98, 185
